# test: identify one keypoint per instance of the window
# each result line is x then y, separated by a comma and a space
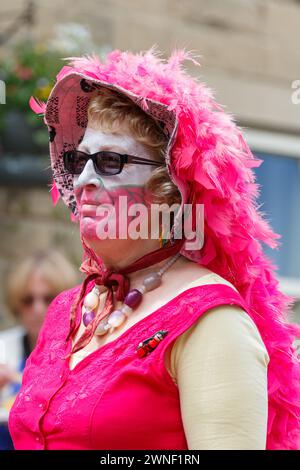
279, 179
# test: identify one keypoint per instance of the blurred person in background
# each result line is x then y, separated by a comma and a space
31, 287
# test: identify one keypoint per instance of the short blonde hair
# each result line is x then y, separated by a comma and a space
53, 266
114, 112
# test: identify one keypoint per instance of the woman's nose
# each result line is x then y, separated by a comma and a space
88, 176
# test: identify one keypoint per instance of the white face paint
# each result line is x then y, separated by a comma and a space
135, 174
93, 191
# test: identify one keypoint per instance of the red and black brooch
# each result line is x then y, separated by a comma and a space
149, 344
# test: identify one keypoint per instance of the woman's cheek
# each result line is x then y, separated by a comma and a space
116, 219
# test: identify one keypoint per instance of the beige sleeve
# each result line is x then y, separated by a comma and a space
220, 366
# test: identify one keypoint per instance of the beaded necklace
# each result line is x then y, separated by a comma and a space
131, 301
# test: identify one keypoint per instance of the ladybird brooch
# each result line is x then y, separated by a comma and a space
148, 345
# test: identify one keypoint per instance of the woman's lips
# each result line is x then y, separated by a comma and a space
87, 208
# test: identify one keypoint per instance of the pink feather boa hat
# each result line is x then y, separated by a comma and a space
208, 157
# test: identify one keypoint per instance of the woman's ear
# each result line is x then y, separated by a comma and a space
165, 229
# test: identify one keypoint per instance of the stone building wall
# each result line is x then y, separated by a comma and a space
249, 48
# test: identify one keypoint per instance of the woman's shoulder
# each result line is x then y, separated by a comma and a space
221, 332
229, 327
228, 315
196, 275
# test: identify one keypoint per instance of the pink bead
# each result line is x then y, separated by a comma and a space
116, 318
126, 310
133, 298
152, 281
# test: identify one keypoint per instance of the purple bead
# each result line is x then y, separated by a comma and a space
133, 298
88, 317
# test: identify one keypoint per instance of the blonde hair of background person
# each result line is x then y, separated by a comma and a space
51, 264
31, 286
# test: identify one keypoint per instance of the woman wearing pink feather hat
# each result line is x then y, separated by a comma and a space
168, 343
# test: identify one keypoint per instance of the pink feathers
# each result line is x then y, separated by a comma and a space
210, 154
37, 106
55, 197
54, 193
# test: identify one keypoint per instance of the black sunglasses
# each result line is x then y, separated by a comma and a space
29, 299
106, 163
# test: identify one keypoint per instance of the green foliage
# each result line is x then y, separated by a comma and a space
30, 70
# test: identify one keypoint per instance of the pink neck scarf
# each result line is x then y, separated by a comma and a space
114, 280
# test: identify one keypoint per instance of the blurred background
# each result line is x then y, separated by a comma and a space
249, 55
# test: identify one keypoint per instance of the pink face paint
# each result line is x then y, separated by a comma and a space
94, 192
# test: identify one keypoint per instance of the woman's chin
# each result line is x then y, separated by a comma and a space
96, 228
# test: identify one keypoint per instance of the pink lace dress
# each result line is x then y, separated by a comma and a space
112, 399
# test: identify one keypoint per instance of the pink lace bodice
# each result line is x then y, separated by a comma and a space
112, 399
